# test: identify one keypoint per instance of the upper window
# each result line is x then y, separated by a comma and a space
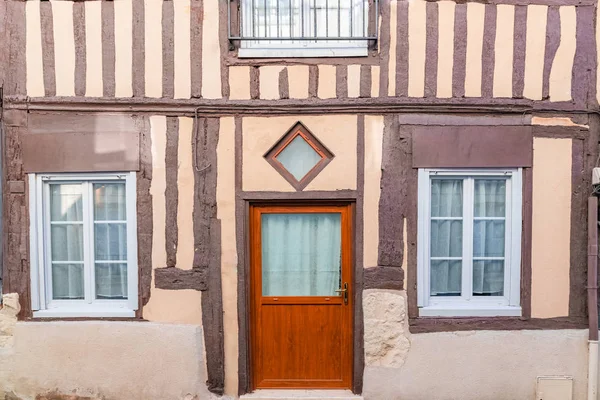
470, 242
304, 28
83, 245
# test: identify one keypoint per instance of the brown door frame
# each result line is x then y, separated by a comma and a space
244, 202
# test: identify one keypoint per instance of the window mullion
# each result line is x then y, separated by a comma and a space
508, 235
467, 272
88, 241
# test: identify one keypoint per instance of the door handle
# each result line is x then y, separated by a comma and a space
344, 292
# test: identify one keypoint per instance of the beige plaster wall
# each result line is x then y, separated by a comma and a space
373, 158
475, 20
93, 42
551, 227
445, 48
211, 62
101, 359
229, 259
33, 53
182, 46
535, 51
503, 56
64, 47
562, 67
481, 365
176, 306
153, 48
417, 37
123, 48
337, 132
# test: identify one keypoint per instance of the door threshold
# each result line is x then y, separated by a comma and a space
304, 394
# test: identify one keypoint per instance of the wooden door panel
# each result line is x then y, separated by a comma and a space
300, 341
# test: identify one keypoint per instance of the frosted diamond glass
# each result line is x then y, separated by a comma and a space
298, 157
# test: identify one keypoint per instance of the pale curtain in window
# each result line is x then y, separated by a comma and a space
301, 254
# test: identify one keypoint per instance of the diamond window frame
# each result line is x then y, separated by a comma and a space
299, 129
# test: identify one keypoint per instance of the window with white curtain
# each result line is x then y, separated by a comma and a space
83, 245
304, 28
469, 251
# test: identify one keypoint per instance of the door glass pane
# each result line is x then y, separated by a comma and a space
110, 240
301, 254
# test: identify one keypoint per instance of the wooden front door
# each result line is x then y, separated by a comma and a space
301, 296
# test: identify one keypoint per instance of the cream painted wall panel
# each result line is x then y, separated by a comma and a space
93, 49
551, 227
326, 84
64, 47
354, 80
33, 51
123, 48
375, 70
562, 67
417, 36
480, 365
226, 213
153, 48
176, 306
503, 67
211, 51
445, 48
475, 19
298, 81
182, 47
392, 48
337, 132
373, 159
269, 81
535, 51
239, 83
129, 359
185, 203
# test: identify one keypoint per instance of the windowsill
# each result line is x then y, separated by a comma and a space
473, 311
266, 52
84, 313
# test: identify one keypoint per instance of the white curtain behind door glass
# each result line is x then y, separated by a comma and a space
301, 254
110, 240
446, 240
489, 237
66, 241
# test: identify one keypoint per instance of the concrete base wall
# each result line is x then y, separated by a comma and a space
481, 365
106, 360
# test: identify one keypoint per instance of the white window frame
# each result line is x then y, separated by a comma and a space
269, 48
42, 304
466, 304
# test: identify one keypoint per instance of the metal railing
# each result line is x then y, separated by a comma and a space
303, 20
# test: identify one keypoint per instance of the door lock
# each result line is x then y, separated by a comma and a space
344, 292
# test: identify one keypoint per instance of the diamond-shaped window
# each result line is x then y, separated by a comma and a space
299, 156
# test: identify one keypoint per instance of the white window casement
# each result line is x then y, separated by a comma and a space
469, 235
83, 245
304, 28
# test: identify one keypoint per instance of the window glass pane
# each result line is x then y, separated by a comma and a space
298, 157
111, 281
446, 198
446, 238
67, 281
66, 202
109, 202
110, 241
488, 238
488, 278
301, 254
446, 277
66, 242
490, 197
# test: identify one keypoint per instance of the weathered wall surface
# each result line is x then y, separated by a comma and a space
426, 50
481, 365
100, 359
